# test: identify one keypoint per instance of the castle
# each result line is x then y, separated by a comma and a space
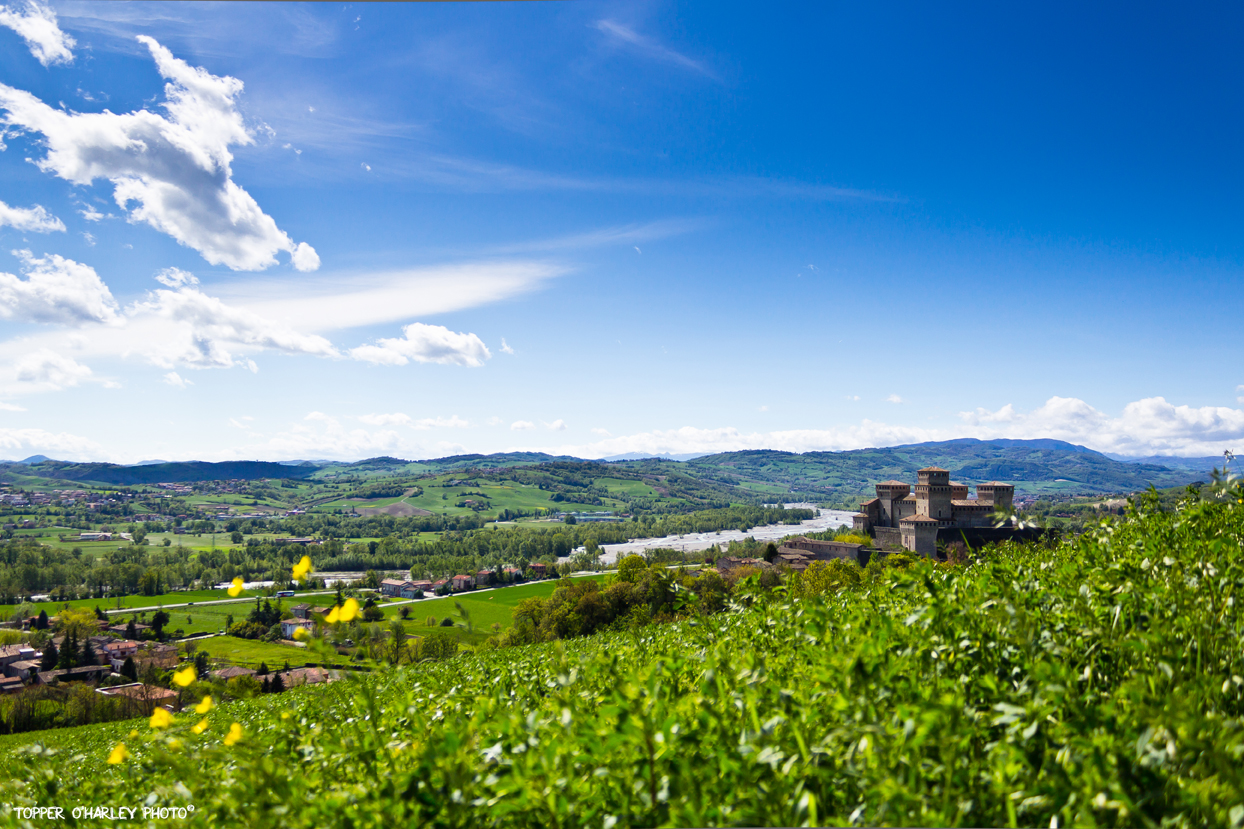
898, 518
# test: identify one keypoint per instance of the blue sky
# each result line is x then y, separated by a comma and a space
290, 230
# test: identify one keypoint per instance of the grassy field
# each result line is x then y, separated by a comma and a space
250, 652
483, 608
151, 603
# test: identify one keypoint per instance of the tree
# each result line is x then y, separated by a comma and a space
50, 658
263, 669
373, 614
131, 629
771, 552
158, 621
129, 669
235, 537
88, 653
631, 569
68, 652
278, 684
42, 622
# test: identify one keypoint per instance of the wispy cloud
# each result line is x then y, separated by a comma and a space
36, 24
30, 219
627, 234
650, 47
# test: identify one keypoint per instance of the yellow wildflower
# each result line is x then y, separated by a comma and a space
285, 715
235, 588
118, 755
185, 676
174, 744
301, 634
235, 734
204, 706
349, 610
133, 734
302, 568
200, 727
161, 718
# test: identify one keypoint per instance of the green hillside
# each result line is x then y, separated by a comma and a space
1093, 683
1033, 466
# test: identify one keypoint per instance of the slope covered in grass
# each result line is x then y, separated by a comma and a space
1096, 683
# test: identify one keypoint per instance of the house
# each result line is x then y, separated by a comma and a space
291, 626
122, 629
82, 673
23, 669
440, 587
302, 611
10, 685
460, 583
319, 611
415, 589
16, 653
231, 672
513, 574
483, 577
392, 587
304, 676
538, 571
116, 652
161, 656
143, 697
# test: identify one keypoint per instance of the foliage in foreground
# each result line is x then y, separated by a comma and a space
1098, 683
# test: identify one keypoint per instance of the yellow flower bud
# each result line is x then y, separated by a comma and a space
118, 755
161, 718
235, 734
204, 706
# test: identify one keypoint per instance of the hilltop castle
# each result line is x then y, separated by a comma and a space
898, 518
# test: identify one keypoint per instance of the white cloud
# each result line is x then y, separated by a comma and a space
11, 407
1145, 427
853, 397
522, 425
29, 219
763, 409
56, 290
92, 215
175, 379
242, 422
650, 47
199, 331
175, 169
425, 344
505, 347
894, 398
604, 433
495, 421
322, 436
558, 425
400, 419
1151, 426
350, 300
46, 369
176, 278
89, 238
36, 24
26, 442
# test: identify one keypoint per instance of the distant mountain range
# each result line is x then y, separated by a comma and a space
1032, 465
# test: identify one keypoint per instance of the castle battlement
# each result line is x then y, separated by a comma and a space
900, 516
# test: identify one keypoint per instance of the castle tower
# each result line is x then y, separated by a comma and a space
933, 493
958, 492
889, 493
920, 535
1001, 495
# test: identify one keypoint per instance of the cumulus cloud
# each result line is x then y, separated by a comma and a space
171, 171
36, 24
46, 369
522, 426
29, 219
400, 419
24, 442
56, 290
175, 379
320, 435
176, 278
1151, 426
201, 330
425, 344
894, 398
558, 425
